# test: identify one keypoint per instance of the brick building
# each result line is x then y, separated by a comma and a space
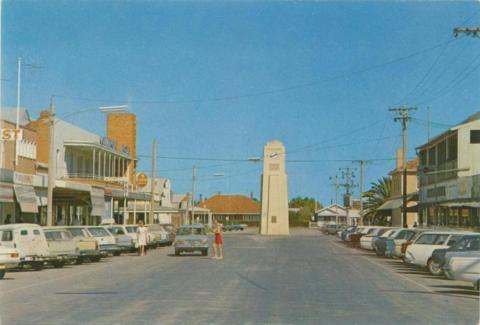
233, 209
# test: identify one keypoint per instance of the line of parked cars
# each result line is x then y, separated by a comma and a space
451, 253
26, 245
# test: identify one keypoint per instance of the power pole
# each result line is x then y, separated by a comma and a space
362, 181
193, 195
337, 186
17, 121
349, 183
154, 176
404, 117
52, 164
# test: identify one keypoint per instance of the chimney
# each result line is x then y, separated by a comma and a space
399, 158
251, 195
219, 193
201, 198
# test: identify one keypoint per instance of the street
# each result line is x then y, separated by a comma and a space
305, 278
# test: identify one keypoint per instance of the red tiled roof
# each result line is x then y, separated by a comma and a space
231, 204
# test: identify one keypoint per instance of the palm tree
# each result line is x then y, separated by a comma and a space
379, 193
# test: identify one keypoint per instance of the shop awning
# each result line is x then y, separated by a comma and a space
391, 204
462, 205
97, 197
6, 193
26, 197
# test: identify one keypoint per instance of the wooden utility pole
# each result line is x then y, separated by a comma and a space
193, 195
51, 164
349, 183
404, 117
362, 182
152, 181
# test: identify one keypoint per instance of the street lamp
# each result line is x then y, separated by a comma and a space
52, 154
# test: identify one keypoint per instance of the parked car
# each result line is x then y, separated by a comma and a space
29, 242
86, 244
463, 266
366, 241
343, 234
233, 227
62, 245
191, 238
392, 246
464, 244
105, 240
9, 258
122, 239
171, 229
332, 228
159, 234
420, 252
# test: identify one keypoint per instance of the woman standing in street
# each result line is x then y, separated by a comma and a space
218, 241
141, 238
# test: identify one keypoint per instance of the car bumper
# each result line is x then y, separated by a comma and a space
108, 249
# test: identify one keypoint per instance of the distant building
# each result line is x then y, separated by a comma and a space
449, 177
393, 207
233, 209
336, 213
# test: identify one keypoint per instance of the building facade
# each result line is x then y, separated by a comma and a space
449, 177
393, 207
232, 209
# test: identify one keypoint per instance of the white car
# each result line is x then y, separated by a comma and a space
29, 242
61, 244
420, 252
463, 266
366, 242
107, 244
9, 258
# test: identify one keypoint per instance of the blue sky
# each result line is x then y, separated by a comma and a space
218, 79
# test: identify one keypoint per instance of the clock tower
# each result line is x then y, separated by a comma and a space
274, 197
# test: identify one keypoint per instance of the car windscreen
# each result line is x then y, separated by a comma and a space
98, 232
468, 243
76, 232
426, 239
53, 235
184, 231
131, 229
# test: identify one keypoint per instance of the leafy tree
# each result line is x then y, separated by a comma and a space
306, 208
379, 193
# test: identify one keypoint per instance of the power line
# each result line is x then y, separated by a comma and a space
267, 92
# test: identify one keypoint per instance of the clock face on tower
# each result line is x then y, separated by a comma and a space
274, 155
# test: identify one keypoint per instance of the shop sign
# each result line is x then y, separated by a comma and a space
142, 179
11, 134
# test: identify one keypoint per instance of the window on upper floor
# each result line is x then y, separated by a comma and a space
432, 156
452, 147
442, 152
475, 136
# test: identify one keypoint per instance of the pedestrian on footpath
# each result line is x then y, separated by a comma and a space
218, 241
141, 238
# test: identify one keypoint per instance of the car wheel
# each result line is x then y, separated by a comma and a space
205, 252
117, 253
58, 264
95, 259
378, 252
2, 273
37, 266
434, 268
79, 261
177, 252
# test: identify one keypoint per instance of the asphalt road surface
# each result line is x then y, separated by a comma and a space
306, 278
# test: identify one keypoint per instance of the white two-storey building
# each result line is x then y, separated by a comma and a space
449, 177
